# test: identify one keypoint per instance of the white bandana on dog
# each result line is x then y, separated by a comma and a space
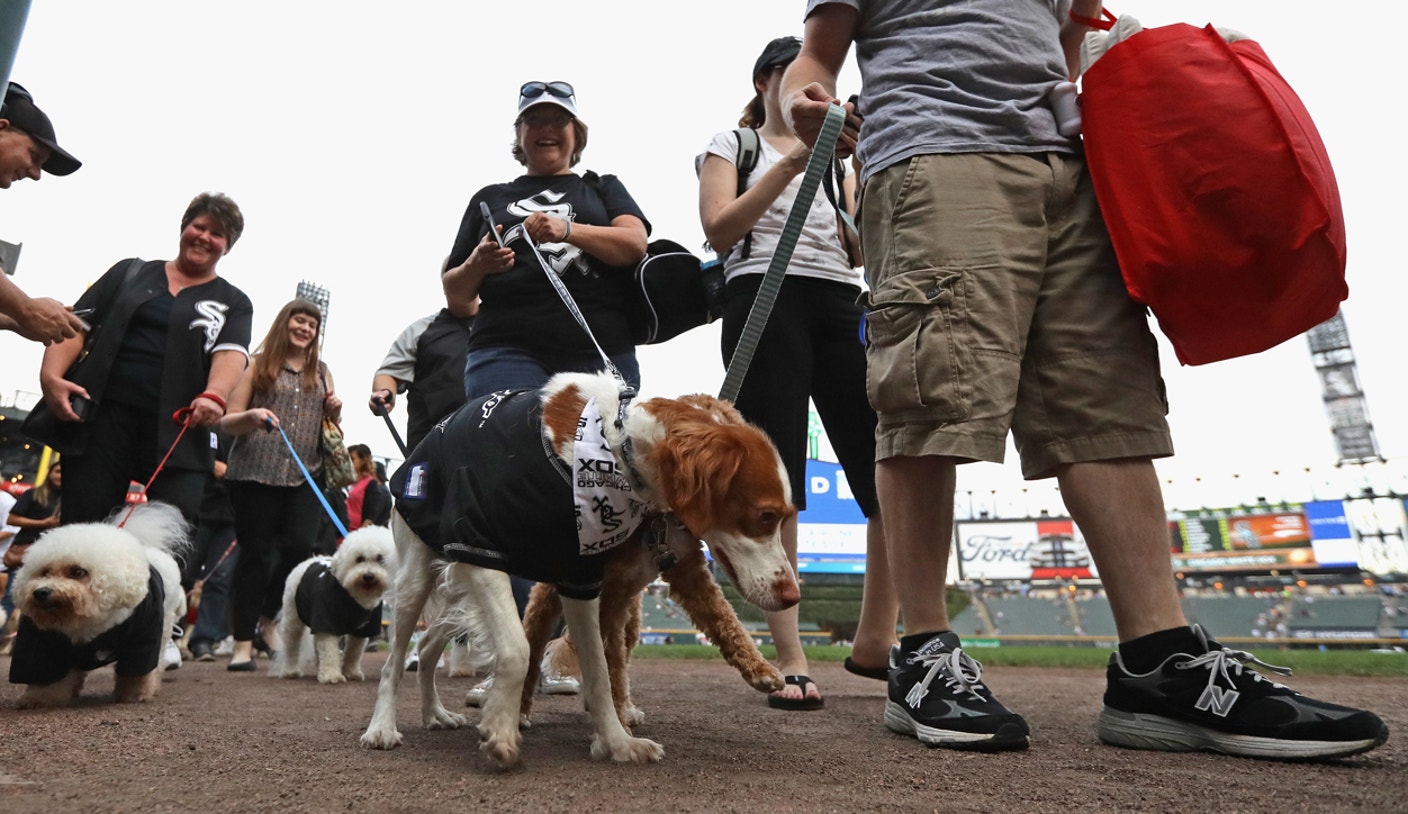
607, 509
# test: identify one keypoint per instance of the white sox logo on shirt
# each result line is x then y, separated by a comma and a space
560, 256
211, 320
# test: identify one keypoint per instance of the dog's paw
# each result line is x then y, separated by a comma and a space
443, 719
501, 749
629, 750
331, 678
291, 672
354, 675
765, 679
380, 739
632, 715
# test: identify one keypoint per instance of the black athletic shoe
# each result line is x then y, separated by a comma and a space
937, 695
1211, 701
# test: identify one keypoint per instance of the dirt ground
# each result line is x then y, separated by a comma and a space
220, 741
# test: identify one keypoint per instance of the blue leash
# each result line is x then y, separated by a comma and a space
311, 483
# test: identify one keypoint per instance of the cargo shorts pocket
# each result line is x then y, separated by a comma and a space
918, 348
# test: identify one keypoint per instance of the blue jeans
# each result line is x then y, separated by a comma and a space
508, 368
212, 541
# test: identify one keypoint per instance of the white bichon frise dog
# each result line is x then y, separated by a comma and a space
334, 597
94, 594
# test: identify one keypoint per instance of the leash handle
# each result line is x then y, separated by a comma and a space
772, 281
386, 416
327, 507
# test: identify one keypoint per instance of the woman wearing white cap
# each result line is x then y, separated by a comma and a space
588, 229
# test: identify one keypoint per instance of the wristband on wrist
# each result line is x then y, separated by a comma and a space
214, 398
1104, 22
568, 233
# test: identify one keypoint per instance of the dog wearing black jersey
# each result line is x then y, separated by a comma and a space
473, 492
333, 597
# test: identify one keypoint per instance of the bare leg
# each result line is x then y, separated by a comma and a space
791, 659
916, 500
879, 606
1119, 508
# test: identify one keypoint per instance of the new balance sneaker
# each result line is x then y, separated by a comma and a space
936, 694
1212, 701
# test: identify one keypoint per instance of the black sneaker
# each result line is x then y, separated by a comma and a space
1210, 701
937, 695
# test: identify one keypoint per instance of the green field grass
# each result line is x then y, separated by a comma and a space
1303, 662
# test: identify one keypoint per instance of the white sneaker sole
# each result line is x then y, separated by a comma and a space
898, 720
1134, 730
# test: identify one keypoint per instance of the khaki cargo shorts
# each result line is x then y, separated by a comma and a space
996, 304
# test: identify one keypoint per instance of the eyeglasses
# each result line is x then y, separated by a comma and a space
532, 90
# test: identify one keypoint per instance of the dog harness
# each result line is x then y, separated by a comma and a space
486, 488
325, 606
46, 656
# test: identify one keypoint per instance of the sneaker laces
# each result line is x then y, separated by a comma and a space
962, 674
1227, 662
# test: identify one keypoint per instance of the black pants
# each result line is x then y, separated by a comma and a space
276, 527
810, 350
124, 449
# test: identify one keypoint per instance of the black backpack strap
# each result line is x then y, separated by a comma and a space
748, 148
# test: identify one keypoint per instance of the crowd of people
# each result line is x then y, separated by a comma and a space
990, 304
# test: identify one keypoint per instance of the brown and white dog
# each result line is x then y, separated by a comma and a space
93, 594
722, 478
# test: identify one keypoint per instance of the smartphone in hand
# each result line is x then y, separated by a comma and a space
80, 406
489, 220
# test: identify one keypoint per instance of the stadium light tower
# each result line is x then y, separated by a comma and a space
320, 296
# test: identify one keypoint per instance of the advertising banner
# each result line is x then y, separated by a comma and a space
1022, 549
831, 530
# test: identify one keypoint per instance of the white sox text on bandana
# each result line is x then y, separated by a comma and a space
607, 509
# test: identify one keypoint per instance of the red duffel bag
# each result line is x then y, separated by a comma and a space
1216, 189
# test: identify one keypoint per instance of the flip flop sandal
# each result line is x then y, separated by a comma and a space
803, 703
877, 673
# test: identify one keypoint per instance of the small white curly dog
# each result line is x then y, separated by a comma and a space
333, 597
93, 594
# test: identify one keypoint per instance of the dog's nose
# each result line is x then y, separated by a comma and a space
42, 594
369, 579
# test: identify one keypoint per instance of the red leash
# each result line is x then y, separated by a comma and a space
216, 567
182, 417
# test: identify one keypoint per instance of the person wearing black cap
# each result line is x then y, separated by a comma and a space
811, 350
589, 230
27, 146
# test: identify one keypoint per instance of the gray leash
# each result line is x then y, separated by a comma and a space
817, 167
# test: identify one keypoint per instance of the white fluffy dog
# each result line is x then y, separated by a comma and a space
94, 594
334, 597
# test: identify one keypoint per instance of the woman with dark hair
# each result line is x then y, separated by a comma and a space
167, 335
285, 391
810, 353
588, 229
368, 500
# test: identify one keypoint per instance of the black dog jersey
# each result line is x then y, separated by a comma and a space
45, 656
327, 607
485, 488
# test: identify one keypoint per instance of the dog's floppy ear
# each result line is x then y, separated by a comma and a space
698, 463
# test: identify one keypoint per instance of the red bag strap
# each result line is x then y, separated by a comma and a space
1105, 22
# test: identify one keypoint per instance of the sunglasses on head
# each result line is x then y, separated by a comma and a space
532, 90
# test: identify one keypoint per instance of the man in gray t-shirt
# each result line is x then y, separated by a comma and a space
995, 307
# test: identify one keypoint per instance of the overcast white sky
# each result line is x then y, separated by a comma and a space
353, 133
